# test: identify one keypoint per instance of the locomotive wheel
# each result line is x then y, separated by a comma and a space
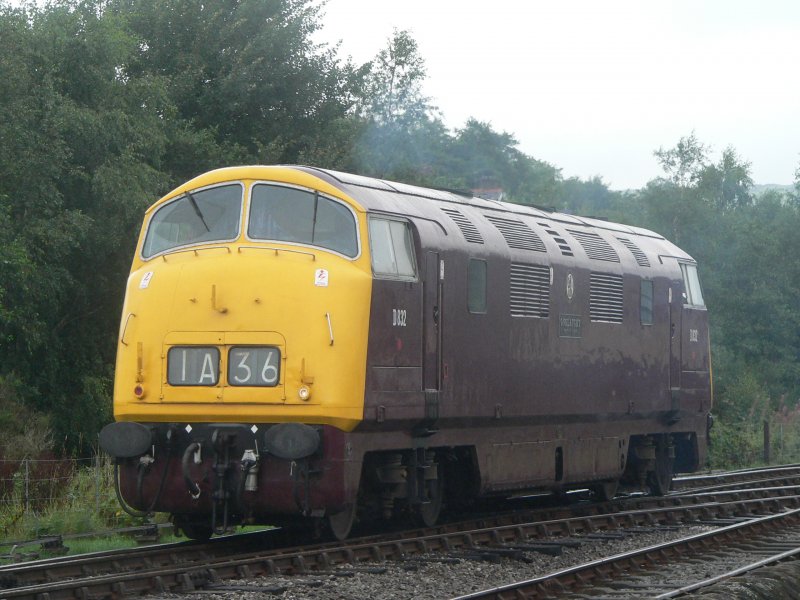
341, 523
606, 490
429, 512
660, 479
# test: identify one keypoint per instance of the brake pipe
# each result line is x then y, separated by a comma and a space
194, 489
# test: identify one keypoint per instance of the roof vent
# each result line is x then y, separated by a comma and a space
467, 227
562, 243
640, 256
517, 234
595, 246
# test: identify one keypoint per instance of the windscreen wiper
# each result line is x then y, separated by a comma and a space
197, 210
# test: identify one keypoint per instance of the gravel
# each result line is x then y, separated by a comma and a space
437, 576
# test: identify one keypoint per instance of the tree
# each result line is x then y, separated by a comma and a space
685, 205
394, 84
727, 184
76, 171
684, 163
590, 197
485, 158
105, 105
246, 73
750, 280
402, 132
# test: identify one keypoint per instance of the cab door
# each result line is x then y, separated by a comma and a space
675, 335
432, 336
431, 318
695, 345
395, 346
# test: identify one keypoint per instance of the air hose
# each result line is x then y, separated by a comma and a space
247, 463
193, 488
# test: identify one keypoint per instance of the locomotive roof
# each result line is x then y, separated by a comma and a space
410, 200
414, 201
378, 194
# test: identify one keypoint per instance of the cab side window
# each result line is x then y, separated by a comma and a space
391, 248
691, 283
476, 286
646, 302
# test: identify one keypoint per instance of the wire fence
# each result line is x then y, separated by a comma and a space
49, 495
34, 484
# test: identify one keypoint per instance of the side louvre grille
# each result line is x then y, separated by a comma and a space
530, 290
605, 297
467, 227
595, 246
640, 256
517, 234
562, 243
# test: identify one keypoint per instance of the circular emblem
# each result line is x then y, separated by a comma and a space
570, 286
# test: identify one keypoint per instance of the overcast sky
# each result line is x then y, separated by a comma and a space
595, 86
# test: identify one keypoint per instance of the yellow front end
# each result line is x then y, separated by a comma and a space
246, 330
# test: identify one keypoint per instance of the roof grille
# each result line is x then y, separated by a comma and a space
517, 234
530, 290
640, 256
605, 297
467, 227
562, 243
595, 246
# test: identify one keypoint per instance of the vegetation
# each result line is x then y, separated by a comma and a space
61, 497
107, 104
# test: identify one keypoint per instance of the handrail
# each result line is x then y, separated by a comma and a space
276, 250
195, 250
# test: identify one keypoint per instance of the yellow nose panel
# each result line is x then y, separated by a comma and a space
245, 332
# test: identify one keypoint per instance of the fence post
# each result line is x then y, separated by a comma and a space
766, 442
27, 485
97, 484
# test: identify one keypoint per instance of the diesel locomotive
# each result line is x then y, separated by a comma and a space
299, 343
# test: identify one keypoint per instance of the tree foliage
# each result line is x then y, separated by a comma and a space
107, 104
751, 282
401, 130
104, 107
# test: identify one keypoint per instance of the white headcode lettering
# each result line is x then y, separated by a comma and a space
208, 369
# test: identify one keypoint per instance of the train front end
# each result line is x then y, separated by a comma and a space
240, 366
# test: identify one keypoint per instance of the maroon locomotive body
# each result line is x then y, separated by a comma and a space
552, 351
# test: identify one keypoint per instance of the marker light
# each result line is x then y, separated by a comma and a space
304, 392
138, 391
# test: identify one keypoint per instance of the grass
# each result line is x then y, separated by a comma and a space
85, 544
84, 504
84, 512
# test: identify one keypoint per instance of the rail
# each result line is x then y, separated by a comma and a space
189, 566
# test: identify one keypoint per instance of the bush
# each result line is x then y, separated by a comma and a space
24, 433
740, 443
735, 445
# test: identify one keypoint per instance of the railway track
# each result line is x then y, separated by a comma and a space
188, 566
783, 475
671, 569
